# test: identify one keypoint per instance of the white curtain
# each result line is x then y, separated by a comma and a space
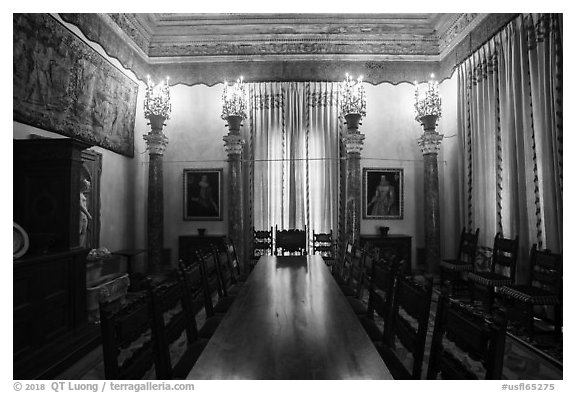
510, 124
292, 150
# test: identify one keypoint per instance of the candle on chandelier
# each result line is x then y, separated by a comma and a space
234, 99
157, 99
427, 100
353, 96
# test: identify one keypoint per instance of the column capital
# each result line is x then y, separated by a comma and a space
354, 142
157, 142
430, 142
233, 144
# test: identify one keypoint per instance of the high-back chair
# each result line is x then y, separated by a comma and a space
123, 327
353, 270
543, 289
338, 268
228, 280
383, 278
502, 270
464, 344
217, 301
233, 260
324, 245
292, 241
172, 316
195, 296
262, 244
452, 269
407, 326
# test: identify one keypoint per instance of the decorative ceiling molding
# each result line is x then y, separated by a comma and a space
140, 33
459, 28
374, 72
391, 48
296, 47
487, 27
97, 29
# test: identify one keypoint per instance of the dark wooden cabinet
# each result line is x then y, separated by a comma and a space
50, 323
50, 320
47, 192
399, 245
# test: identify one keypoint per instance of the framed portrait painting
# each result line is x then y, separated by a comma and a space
383, 193
203, 194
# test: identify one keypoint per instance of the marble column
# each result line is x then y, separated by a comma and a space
429, 143
353, 143
233, 145
157, 143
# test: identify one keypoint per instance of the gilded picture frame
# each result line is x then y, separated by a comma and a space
383, 193
203, 196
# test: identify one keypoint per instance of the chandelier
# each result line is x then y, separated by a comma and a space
427, 100
353, 97
234, 100
157, 100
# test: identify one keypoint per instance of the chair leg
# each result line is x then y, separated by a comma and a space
490, 299
530, 319
558, 321
441, 276
471, 290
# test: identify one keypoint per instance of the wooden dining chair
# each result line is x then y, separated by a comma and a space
355, 287
380, 294
218, 302
352, 273
323, 244
291, 241
451, 270
406, 328
502, 271
465, 345
173, 316
122, 328
544, 289
228, 281
262, 244
233, 261
338, 270
196, 297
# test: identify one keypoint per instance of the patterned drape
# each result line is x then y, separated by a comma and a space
510, 124
292, 155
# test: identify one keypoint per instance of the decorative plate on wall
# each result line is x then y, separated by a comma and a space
21, 241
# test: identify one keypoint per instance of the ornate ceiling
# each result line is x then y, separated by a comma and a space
204, 48
232, 37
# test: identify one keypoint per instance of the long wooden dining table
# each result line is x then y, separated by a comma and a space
290, 321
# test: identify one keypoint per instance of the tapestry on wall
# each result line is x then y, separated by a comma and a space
63, 85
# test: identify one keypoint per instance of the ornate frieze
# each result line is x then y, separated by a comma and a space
379, 51
131, 26
456, 28
423, 46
